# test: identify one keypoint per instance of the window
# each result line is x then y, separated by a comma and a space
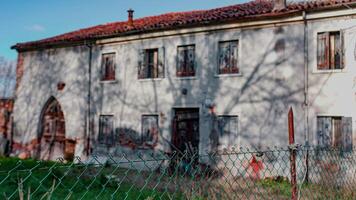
106, 129
186, 61
334, 132
227, 125
330, 51
228, 57
150, 130
151, 64
108, 67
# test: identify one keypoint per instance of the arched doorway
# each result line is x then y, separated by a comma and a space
53, 143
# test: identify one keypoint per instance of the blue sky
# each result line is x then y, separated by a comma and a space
27, 20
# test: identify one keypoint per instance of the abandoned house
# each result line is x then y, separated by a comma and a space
204, 80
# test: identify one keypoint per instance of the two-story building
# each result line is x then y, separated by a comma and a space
205, 80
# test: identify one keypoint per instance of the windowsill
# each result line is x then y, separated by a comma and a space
150, 79
228, 75
328, 71
185, 78
109, 81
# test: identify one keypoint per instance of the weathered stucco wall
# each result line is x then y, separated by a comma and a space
260, 96
43, 70
270, 82
332, 93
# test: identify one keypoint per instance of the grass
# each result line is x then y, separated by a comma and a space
308, 190
36, 179
23, 179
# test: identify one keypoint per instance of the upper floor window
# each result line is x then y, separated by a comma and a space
228, 57
108, 67
106, 130
151, 64
186, 61
330, 51
334, 132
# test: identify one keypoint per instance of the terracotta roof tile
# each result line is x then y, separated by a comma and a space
253, 9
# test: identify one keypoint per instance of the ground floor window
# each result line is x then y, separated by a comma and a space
224, 133
227, 125
334, 132
150, 130
106, 129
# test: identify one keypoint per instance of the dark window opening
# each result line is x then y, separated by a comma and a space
227, 125
108, 67
186, 61
330, 51
228, 57
150, 130
151, 64
334, 132
106, 130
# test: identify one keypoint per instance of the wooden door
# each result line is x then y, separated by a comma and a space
186, 130
52, 141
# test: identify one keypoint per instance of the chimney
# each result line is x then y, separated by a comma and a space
279, 4
130, 17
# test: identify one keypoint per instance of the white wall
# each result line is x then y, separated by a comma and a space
269, 84
332, 93
43, 71
260, 96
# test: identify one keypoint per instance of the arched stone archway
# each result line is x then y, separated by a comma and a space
53, 142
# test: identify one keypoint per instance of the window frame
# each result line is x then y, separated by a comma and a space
328, 69
155, 140
102, 79
143, 62
188, 76
230, 116
238, 63
113, 130
332, 139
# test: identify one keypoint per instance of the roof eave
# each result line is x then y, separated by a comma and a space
273, 15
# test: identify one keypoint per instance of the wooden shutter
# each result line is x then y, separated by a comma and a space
142, 65
103, 67
223, 57
101, 137
161, 60
347, 133
323, 50
234, 56
112, 66
324, 131
180, 61
191, 60
342, 53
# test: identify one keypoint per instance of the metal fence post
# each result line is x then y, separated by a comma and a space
292, 154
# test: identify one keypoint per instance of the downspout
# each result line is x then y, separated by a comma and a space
306, 103
306, 81
88, 114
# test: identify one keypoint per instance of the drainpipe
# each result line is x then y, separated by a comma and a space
306, 88
88, 130
306, 81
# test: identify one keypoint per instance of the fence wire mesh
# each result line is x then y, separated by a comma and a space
234, 174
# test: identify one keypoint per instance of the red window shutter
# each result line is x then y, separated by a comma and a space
323, 50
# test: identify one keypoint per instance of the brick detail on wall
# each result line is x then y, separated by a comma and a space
19, 69
6, 108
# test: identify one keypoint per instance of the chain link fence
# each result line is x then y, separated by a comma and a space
234, 174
